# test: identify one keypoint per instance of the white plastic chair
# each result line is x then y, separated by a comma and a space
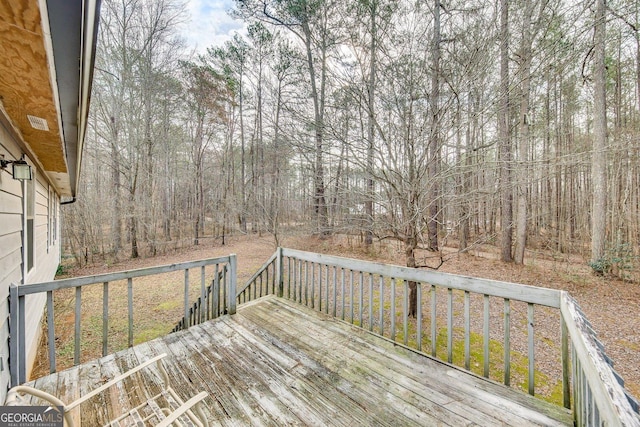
146, 413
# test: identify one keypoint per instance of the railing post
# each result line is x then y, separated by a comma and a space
564, 339
14, 332
232, 283
279, 271
22, 347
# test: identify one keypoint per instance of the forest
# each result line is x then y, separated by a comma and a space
433, 123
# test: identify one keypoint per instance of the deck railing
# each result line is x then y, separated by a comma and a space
376, 297
457, 319
209, 269
211, 304
262, 283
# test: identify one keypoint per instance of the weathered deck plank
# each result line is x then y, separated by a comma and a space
402, 378
278, 363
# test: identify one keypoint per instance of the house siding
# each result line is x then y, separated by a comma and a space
46, 252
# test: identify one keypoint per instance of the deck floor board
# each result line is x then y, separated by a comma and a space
278, 363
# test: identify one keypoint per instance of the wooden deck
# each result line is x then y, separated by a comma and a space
278, 363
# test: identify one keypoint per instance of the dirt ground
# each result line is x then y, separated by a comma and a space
611, 305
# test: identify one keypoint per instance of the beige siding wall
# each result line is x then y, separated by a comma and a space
46, 251
10, 249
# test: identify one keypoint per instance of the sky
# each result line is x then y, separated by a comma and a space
210, 24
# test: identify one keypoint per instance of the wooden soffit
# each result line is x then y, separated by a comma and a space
26, 87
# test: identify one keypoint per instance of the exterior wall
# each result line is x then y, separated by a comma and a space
46, 253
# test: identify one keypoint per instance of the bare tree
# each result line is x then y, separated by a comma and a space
599, 152
506, 192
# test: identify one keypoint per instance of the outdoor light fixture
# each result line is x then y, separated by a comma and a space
21, 169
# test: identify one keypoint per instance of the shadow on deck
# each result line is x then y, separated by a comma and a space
276, 362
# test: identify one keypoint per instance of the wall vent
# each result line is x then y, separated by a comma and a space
38, 123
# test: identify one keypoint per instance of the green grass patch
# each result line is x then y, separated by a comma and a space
519, 363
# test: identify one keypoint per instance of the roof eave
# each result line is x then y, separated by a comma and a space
73, 25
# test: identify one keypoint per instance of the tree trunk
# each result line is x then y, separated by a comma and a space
506, 192
242, 218
599, 152
133, 224
116, 215
434, 143
410, 245
368, 239
523, 148
319, 200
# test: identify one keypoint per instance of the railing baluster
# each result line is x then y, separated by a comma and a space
130, 304
203, 288
370, 302
576, 386
77, 331
419, 317
449, 325
297, 266
320, 287
485, 336
296, 279
583, 405
291, 274
530, 330
361, 300
105, 318
216, 293
223, 285
467, 330
583, 392
381, 297
591, 411
405, 313
434, 322
300, 282
342, 293
351, 295
335, 290
233, 277
277, 275
51, 333
393, 309
326, 294
306, 283
186, 293
313, 285
266, 281
507, 341
209, 309
566, 386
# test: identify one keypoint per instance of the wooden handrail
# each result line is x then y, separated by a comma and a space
598, 385
598, 398
530, 294
18, 294
54, 285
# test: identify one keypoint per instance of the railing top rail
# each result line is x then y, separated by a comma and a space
513, 291
55, 285
613, 405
